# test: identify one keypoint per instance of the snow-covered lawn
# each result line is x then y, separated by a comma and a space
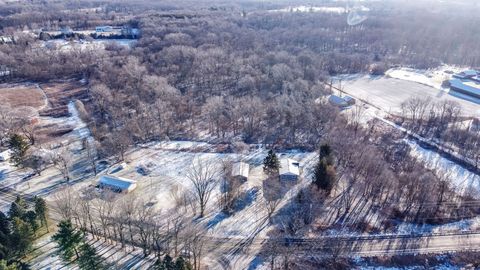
430, 77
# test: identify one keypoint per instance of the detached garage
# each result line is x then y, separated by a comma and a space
289, 169
117, 184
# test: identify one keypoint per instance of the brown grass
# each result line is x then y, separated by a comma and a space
21, 95
59, 94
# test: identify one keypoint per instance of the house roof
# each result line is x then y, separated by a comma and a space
337, 101
466, 86
240, 169
289, 166
469, 73
118, 182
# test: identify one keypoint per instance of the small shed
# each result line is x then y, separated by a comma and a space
5, 155
240, 171
289, 169
117, 184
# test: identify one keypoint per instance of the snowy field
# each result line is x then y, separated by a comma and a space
50, 179
338, 10
65, 45
389, 93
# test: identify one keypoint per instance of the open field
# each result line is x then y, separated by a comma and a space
22, 95
388, 93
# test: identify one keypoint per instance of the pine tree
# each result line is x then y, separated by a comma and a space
4, 236
12, 266
325, 176
181, 264
42, 211
88, 258
271, 163
168, 262
68, 240
326, 153
18, 208
21, 238
19, 146
31, 218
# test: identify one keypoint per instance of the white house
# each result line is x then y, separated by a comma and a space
117, 184
5, 155
240, 170
289, 169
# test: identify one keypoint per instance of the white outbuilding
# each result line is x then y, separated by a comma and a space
289, 169
117, 184
5, 155
240, 171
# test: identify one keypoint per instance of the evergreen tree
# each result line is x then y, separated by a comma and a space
168, 264
4, 236
271, 163
42, 211
181, 264
18, 208
5, 266
21, 238
325, 176
19, 146
88, 258
31, 218
68, 240
326, 153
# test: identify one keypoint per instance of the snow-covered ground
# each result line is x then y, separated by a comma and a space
19, 181
462, 179
65, 45
338, 10
431, 77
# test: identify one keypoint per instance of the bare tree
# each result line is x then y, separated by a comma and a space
65, 202
202, 175
62, 161
91, 151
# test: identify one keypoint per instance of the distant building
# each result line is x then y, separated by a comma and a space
240, 171
289, 169
5, 155
102, 29
467, 74
117, 184
467, 87
341, 102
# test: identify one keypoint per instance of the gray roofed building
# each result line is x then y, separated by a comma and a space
466, 74
117, 184
289, 169
466, 87
342, 102
240, 170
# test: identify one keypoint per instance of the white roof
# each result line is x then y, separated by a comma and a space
240, 169
289, 166
118, 182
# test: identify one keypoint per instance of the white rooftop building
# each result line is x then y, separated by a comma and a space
117, 184
289, 169
240, 170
